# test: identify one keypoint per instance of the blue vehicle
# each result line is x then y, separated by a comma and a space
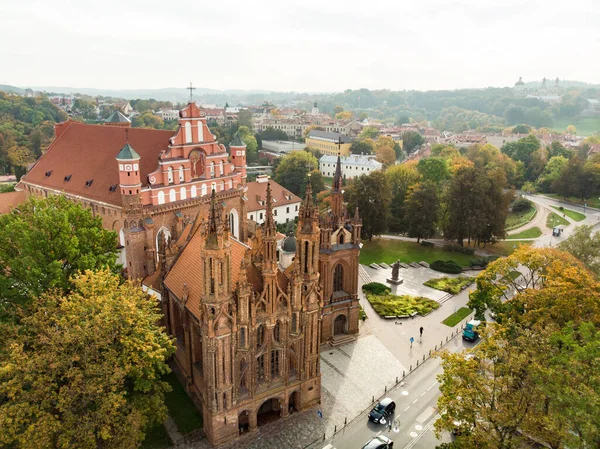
470, 331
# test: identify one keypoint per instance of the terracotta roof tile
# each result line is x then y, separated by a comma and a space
88, 152
10, 200
257, 191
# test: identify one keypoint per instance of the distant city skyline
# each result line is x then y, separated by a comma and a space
308, 46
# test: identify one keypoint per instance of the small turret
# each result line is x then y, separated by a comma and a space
238, 156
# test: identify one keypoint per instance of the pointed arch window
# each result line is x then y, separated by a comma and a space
212, 169
170, 175
277, 331
181, 176
221, 168
260, 335
338, 278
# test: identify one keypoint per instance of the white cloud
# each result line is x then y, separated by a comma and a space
308, 45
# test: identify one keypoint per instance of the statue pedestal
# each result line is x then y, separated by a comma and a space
395, 281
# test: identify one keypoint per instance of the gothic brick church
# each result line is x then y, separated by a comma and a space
248, 328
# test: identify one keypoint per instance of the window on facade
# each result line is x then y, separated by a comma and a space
182, 193
274, 364
251, 217
170, 174
172, 195
243, 337
275, 212
188, 132
294, 323
203, 189
193, 192
260, 335
261, 215
287, 210
221, 168
338, 278
161, 197
212, 169
181, 178
277, 331
296, 208
260, 367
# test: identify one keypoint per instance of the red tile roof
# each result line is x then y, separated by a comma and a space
257, 191
10, 200
88, 152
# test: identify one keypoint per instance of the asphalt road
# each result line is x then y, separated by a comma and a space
416, 401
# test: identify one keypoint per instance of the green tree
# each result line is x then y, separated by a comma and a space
371, 194
551, 173
83, 370
422, 210
435, 169
400, 178
361, 147
147, 120
411, 140
245, 118
521, 129
574, 180
293, 169
46, 241
251, 143
584, 244
273, 134
527, 151
558, 149
369, 132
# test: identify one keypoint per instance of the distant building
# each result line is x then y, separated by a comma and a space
593, 107
168, 114
351, 166
552, 99
467, 139
124, 107
282, 146
285, 203
327, 142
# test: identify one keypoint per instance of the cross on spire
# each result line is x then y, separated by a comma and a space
191, 89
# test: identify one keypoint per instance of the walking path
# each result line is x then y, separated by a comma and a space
538, 221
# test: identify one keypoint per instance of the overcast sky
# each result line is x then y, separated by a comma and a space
307, 45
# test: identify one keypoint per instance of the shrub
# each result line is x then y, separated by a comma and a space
393, 305
450, 285
448, 266
376, 288
427, 244
482, 261
460, 249
521, 204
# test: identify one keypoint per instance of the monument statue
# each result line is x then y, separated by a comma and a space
395, 279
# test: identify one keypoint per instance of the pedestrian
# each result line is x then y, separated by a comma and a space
412, 339
421, 332
390, 424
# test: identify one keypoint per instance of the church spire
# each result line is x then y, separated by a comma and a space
337, 197
216, 230
270, 227
337, 178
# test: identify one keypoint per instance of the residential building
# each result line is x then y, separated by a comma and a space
285, 204
282, 146
168, 114
329, 142
352, 166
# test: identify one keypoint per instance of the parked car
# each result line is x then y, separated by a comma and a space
379, 442
382, 411
470, 331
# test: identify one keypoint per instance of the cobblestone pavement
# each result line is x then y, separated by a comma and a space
350, 376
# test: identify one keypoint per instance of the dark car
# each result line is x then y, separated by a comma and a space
379, 442
382, 411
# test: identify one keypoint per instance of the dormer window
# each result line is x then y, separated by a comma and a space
68, 178
112, 188
89, 182
48, 173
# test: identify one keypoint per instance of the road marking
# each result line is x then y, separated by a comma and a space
432, 385
423, 394
424, 416
417, 437
405, 393
407, 408
414, 434
418, 427
415, 400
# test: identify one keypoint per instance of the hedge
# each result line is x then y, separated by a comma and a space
448, 266
427, 244
460, 249
376, 288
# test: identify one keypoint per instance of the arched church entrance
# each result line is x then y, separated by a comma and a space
293, 402
340, 325
268, 412
244, 421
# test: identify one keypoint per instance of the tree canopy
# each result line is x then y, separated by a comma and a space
293, 169
371, 194
83, 370
411, 140
46, 241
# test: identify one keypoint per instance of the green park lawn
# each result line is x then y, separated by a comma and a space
181, 408
586, 126
518, 219
570, 213
450, 285
506, 247
393, 305
385, 250
532, 233
590, 202
457, 316
555, 220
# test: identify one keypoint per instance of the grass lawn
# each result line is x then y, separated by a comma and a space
505, 248
388, 251
518, 219
392, 305
157, 438
181, 408
555, 220
457, 316
586, 126
591, 202
570, 213
450, 285
532, 233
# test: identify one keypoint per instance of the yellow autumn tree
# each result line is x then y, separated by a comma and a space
84, 370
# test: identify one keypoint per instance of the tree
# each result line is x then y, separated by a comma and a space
574, 180
400, 178
521, 129
435, 169
558, 149
551, 173
147, 120
83, 370
369, 132
526, 150
571, 130
422, 209
293, 169
384, 151
411, 140
584, 244
361, 147
251, 143
46, 241
273, 134
371, 194
245, 118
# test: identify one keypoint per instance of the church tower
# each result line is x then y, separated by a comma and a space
339, 265
315, 109
135, 234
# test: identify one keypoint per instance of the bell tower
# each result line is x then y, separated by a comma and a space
130, 184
